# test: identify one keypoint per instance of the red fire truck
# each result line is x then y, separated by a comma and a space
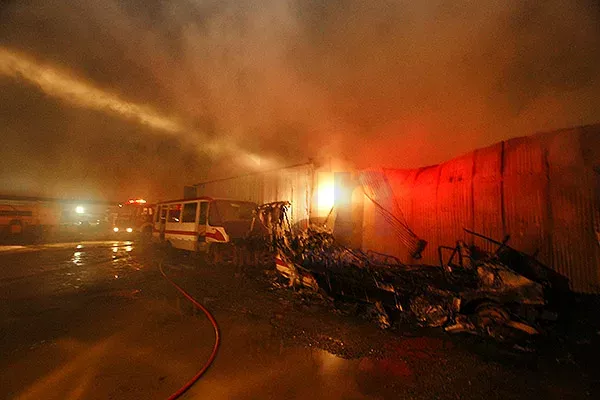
134, 219
27, 217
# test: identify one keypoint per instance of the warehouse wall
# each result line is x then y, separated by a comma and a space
542, 190
293, 184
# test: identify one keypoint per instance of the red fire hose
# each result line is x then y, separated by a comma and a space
212, 320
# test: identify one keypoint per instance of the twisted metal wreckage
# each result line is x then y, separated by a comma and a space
503, 295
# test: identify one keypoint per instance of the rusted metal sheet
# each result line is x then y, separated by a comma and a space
525, 196
455, 200
487, 195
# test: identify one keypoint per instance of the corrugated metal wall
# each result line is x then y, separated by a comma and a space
293, 184
542, 190
487, 194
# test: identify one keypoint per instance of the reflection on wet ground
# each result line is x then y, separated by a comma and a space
97, 321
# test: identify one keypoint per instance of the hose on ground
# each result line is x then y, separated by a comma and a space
212, 320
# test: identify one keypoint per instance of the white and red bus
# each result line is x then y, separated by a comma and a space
205, 224
134, 218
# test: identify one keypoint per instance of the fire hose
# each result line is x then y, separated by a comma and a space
212, 320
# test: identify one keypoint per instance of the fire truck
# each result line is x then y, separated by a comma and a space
27, 217
43, 218
134, 219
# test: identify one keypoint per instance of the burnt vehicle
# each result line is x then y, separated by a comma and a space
473, 291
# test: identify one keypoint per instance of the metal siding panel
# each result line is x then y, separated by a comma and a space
286, 184
574, 208
455, 200
590, 139
424, 211
525, 196
401, 184
574, 239
487, 196
375, 235
399, 241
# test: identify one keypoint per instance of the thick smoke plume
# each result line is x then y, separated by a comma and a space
255, 84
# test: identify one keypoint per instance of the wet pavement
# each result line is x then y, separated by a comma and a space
96, 320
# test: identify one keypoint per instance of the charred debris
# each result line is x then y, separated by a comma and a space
506, 294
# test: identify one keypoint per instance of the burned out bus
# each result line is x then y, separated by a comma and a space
204, 225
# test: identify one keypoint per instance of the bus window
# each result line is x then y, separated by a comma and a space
163, 213
174, 213
189, 212
225, 211
203, 212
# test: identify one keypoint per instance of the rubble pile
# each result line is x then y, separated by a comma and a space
474, 291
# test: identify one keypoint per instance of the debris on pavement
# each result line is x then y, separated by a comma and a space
490, 294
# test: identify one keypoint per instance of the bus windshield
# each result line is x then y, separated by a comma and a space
225, 211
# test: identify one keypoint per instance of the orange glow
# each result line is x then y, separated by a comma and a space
325, 193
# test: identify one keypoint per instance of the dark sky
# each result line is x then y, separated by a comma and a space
118, 99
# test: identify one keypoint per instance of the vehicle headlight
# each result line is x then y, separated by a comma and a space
129, 230
115, 229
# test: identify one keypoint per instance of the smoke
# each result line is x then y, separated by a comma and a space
59, 84
209, 88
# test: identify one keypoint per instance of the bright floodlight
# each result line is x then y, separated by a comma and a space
129, 230
79, 210
115, 229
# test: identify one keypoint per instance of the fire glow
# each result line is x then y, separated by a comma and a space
325, 193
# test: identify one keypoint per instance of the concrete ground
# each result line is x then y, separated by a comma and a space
96, 320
